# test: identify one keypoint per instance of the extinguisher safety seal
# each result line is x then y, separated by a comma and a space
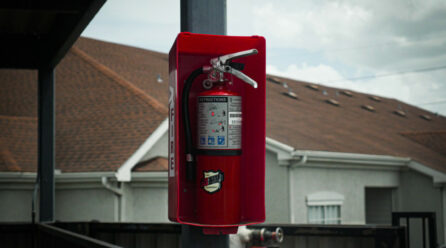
190, 161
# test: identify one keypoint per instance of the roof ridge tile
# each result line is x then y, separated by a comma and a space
118, 79
10, 162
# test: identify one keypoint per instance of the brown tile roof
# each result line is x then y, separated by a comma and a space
155, 164
109, 101
101, 117
18, 92
18, 137
139, 66
310, 123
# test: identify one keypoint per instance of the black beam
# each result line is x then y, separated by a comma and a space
66, 32
114, 227
19, 51
203, 16
45, 5
46, 141
64, 238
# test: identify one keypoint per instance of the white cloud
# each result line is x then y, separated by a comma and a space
316, 40
308, 40
142, 23
307, 73
372, 34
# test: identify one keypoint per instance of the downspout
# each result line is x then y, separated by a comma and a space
291, 165
291, 193
118, 192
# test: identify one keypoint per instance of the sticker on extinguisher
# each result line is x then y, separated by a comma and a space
212, 180
219, 122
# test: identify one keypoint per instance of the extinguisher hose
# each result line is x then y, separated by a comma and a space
190, 158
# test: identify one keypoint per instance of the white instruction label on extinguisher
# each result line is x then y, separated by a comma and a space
219, 122
235, 118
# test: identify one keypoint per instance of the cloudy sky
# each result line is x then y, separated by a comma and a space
394, 48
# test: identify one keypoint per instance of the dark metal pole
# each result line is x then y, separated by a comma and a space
203, 17
46, 140
192, 236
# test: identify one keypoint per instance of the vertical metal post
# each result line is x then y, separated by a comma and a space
203, 17
432, 230
46, 141
424, 231
408, 230
192, 236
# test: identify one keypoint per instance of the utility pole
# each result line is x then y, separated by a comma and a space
203, 17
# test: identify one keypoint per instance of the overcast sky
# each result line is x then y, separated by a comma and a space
398, 45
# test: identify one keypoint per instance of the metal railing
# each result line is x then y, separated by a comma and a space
51, 236
138, 235
309, 235
46, 236
424, 216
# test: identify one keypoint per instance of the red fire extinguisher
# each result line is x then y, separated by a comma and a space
213, 163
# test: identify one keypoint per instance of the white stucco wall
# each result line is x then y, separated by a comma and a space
417, 193
276, 191
148, 205
80, 198
15, 205
86, 204
146, 198
350, 183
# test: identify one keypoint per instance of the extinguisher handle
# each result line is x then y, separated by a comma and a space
241, 76
224, 64
225, 59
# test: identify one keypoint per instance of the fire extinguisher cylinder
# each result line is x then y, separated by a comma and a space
214, 163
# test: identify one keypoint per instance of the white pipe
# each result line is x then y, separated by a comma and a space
118, 192
291, 193
108, 186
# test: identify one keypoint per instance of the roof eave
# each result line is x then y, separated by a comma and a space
124, 173
288, 156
